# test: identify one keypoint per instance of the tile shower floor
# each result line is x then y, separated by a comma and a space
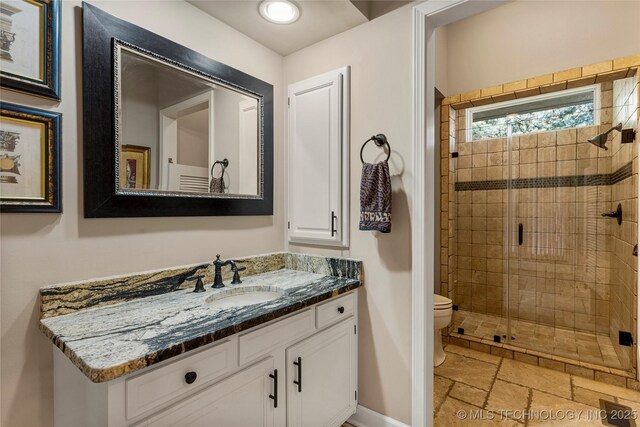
475, 384
576, 345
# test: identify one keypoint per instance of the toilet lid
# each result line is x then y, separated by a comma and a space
441, 302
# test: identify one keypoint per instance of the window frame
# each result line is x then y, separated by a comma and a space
595, 89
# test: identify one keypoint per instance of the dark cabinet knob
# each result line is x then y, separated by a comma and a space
190, 377
341, 309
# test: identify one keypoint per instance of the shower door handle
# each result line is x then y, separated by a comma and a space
520, 234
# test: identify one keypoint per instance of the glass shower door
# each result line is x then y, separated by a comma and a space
540, 235
572, 278
536, 264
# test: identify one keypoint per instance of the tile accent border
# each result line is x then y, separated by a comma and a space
549, 182
576, 77
618, 377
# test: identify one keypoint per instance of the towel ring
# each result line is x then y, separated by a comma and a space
223, 164
380, 140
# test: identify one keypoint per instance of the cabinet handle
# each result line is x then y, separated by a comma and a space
274, 396
333, 228
190, 377
341, 309
298, 363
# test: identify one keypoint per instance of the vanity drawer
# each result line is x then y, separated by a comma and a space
335, 310
152, 389
263, 340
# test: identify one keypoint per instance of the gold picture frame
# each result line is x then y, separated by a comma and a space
30, 48
134, 167
30, 169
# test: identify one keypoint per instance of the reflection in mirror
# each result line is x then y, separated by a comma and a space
179, 132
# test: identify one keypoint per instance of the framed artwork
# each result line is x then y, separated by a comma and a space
134, 167
30, 46
29, 159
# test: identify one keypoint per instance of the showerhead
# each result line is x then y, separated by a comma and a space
600, 141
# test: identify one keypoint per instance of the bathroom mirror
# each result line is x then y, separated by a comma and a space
169, 131
182, 133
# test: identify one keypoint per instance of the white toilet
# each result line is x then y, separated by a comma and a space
442, 313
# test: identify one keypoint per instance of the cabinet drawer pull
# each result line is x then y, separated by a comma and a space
341, 309
190, 377
298, 363
274, 396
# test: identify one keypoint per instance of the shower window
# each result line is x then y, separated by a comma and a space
561, 110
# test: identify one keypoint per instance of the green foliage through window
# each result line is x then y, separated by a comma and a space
536, 121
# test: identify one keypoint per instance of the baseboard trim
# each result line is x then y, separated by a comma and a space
365, 417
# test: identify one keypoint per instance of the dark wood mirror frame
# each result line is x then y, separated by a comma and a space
100, 199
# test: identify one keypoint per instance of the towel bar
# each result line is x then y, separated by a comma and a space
380, 140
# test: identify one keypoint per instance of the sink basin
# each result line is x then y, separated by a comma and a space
244, 296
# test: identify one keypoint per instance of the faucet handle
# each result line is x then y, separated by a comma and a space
199, 285
236, 272
234, 266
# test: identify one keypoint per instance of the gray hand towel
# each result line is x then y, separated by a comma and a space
375, 197
217, 185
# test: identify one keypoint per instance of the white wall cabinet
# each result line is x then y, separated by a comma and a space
318, 160
239, 382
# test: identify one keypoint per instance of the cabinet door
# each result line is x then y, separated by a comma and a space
241, 400
321, 378
318, 158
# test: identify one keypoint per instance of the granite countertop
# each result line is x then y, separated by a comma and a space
110, 341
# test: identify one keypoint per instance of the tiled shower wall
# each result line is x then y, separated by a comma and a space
561, 275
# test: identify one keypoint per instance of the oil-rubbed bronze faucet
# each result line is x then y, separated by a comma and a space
218, 264
217, 279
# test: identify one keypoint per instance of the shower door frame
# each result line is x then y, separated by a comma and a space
427, 16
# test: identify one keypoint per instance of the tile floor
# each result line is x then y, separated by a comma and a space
582, 346
490, 386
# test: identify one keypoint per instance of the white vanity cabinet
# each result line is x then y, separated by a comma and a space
321, 374
248, 379
240, 400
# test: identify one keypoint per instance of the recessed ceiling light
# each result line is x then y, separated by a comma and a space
279, 11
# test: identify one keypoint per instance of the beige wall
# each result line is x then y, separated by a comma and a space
529, 38
39, 249
379, 53
442, 44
